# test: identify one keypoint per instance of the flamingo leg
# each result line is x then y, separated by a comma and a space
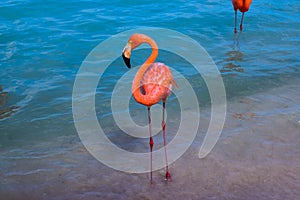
163, 124
241, 25
235, 18
151, 143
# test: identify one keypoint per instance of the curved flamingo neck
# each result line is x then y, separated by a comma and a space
154, 53
139, 97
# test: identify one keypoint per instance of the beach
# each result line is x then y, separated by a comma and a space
45, 47
256, 157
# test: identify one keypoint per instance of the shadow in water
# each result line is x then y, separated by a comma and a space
233, 58
5, 110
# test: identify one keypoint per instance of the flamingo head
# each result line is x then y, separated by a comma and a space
134, 41
126, 54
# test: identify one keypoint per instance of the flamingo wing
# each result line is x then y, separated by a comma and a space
157, 82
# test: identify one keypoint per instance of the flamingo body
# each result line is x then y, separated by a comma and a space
241, 5
156, 85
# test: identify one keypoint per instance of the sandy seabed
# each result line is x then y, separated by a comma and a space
257, 157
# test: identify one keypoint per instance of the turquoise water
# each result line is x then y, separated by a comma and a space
43, 43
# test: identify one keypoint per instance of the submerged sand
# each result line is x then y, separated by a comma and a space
257, 157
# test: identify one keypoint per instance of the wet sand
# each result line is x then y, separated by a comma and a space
257, 157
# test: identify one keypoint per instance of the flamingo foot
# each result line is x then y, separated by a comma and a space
241, 27
168, 176
235, 31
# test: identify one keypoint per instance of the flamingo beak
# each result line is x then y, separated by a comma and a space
126, 55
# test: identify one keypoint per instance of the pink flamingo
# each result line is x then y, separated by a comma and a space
152, 83
243, 6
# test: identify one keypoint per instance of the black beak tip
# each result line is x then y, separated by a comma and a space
127, 61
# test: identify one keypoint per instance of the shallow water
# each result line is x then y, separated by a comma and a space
257, 157
42, 46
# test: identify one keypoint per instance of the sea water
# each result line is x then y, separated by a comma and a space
42, 47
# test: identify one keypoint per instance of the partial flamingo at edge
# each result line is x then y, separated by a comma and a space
243, 6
